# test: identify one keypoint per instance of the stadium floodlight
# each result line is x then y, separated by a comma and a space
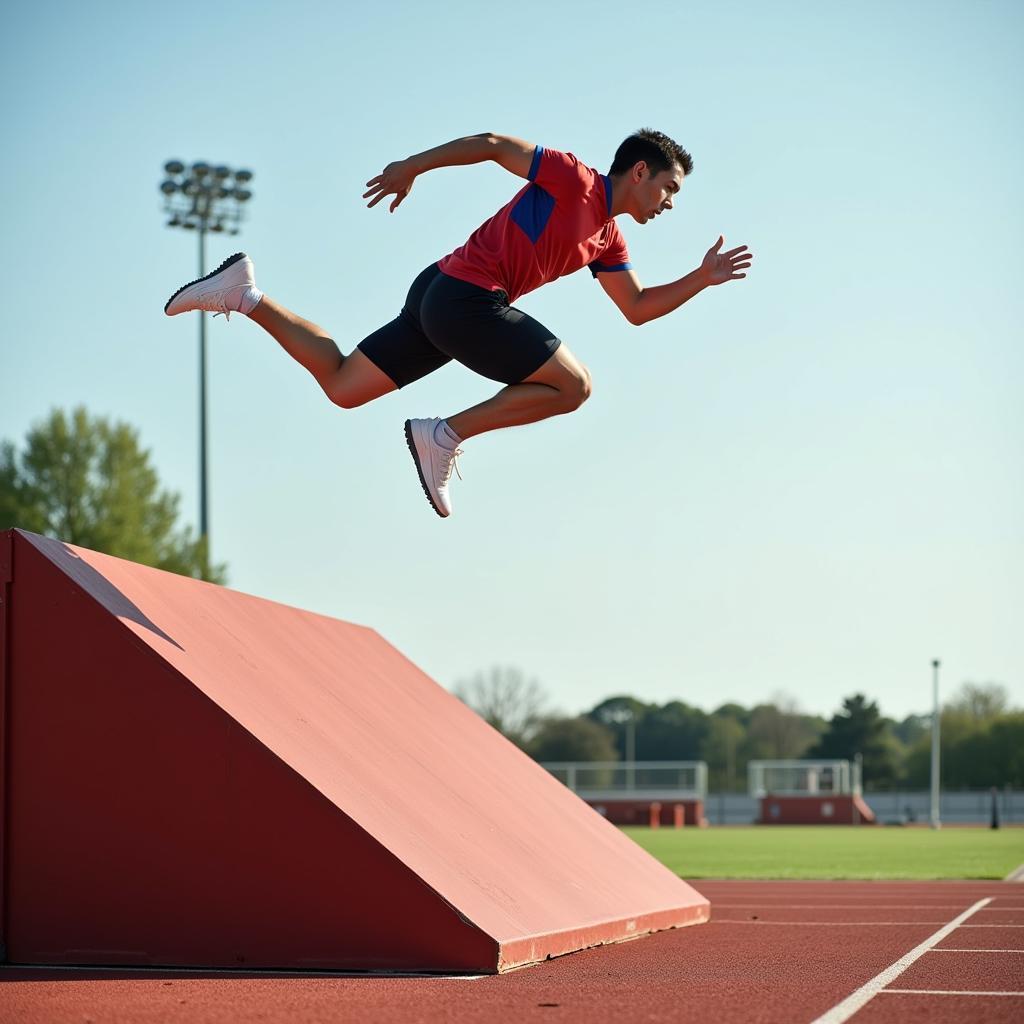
204, 198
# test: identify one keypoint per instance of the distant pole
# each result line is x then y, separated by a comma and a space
631, 749
995, 808
934, 817
202, 198
204, 507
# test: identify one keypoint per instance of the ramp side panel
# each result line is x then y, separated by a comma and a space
478, 820
6, 575
149, 827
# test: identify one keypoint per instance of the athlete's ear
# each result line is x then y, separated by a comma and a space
638, 170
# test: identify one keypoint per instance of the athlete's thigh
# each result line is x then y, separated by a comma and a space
399, 351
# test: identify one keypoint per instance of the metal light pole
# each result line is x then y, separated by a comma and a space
627, 715
631, 747
934, 816
202, 198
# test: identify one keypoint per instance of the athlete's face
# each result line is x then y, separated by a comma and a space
653, 194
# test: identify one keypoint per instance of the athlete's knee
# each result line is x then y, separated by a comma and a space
346, 397
577, 390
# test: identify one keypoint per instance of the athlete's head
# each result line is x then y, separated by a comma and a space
648, 170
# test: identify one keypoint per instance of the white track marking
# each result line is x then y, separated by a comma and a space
858, 906
943, 992
856, 1000
839, 924
1017, 875
950, 949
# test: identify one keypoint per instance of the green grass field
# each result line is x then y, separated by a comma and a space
835, 852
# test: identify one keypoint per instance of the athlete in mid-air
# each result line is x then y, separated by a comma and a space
461, 307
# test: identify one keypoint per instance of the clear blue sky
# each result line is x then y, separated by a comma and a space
809, 481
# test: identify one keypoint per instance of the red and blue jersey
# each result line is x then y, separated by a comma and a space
555, 225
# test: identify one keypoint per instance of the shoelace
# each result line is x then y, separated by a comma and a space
218, 299
224, 311
453, 463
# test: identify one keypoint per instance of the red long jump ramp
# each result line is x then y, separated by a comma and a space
197, 777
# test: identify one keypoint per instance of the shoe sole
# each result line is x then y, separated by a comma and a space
230, 261
419, 469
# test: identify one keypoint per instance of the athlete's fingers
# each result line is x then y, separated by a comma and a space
732, 252
373, 181
737, 277
740, 266
376, 199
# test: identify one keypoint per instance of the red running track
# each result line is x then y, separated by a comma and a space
786, 952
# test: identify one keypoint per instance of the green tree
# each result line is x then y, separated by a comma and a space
721, 747
779, 731
87, 481
572, 739
676, 731
859, 728
980, 702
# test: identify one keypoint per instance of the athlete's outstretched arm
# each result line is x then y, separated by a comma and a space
639, 304
396, 179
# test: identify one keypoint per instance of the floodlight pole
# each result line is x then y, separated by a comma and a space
204, 526
934, 816
204, 198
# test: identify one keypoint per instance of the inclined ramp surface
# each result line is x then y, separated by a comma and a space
199, 776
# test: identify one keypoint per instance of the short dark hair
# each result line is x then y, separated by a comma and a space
656, 148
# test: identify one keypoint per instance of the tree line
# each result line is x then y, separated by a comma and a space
982, 737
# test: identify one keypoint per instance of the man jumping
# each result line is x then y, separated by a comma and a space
461, 307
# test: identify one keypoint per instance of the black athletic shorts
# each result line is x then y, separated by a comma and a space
444, 318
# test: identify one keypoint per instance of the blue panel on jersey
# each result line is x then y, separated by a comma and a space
533, 211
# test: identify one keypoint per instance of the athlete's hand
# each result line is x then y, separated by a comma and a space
396, 179
719, 267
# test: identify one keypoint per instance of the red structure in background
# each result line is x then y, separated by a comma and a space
638, 812
197, 777
816, 809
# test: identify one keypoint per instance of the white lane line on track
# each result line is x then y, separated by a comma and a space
950, 949
943, 992
830, 924
844, 1010
857, 906
1017, 875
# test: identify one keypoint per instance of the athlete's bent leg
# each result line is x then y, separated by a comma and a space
348, 381
561, 385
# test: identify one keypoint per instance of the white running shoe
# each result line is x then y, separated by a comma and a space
226, 290
434, 462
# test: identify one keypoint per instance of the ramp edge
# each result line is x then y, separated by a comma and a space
538, 948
